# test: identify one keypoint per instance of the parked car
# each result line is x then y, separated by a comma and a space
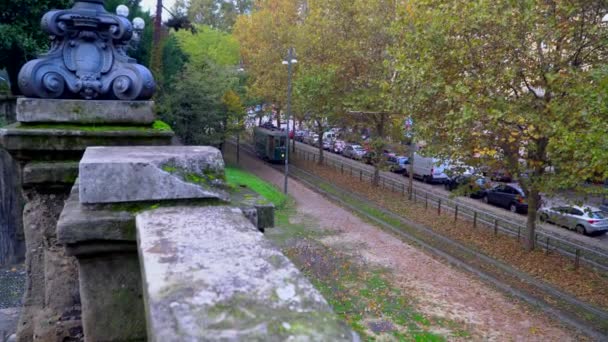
327, 144
397, 164
353, 151
368, 157
584, 220
430, 170
299, 135
501, 176
311, 139
338, 146
388, 153
476, 185
509, 196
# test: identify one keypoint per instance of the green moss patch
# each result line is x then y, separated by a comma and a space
157, 126
161, 126
236, 178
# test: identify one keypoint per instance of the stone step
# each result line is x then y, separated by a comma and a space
34, 110
56, 172
127, 174
57, 138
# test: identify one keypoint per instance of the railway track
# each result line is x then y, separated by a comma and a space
584, 317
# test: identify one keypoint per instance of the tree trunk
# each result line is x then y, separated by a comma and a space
238, 145
279, 118
411, 171
376, 181
533, 203
321, 156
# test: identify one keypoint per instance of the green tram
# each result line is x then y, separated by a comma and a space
269, 144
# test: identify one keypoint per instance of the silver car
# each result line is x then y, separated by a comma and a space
585, 220
353, 151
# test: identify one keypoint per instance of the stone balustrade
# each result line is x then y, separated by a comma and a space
182, 265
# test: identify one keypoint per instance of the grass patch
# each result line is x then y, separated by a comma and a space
236, 177
361, 295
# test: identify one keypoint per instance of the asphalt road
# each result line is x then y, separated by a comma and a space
596, 242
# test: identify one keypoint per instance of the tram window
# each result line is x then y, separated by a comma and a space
282, 142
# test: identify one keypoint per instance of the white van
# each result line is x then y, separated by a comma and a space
429, 169
329, 136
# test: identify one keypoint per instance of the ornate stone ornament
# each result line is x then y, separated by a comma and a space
87, 58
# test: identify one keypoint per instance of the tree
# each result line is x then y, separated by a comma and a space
235, 117
315, 95
264, 37
503, 86
194, 107
207, 43
201, 79
219, 14
21, 37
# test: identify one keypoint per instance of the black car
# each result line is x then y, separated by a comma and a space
509, 196
397, 164
476, 186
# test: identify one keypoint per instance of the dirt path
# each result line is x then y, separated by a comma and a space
440, 290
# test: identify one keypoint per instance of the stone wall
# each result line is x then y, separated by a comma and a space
12, 244
7, 109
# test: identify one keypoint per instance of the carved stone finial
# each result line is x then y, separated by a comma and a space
87, 58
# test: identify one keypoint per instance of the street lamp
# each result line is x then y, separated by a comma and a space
138, 25
291, 59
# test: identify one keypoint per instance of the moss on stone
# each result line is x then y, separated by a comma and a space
161, 126
209, 176
123, 297
138, 207
77, 109
242, 313
156, 127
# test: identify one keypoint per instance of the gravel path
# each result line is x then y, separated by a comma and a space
440, 290
12, 285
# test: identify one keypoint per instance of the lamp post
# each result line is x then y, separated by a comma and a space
289, 62
138, 26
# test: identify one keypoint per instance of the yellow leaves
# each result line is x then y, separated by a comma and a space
485, 152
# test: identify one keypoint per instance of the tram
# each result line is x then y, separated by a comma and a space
269, 144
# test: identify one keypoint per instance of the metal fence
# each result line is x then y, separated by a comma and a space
448, 206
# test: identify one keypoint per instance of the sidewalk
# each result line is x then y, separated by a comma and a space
440, 290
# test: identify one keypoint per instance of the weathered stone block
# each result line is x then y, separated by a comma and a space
70, 138
209, 275
85, 111
112, 302
61, 172
128, 174
83, 224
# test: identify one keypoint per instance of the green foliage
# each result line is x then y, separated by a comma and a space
174, 60
512, 85
193, 107
238, 177
161, 126
208, 43
219, 14
21, 37
200, 92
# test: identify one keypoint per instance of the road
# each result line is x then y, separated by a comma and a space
596, 242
